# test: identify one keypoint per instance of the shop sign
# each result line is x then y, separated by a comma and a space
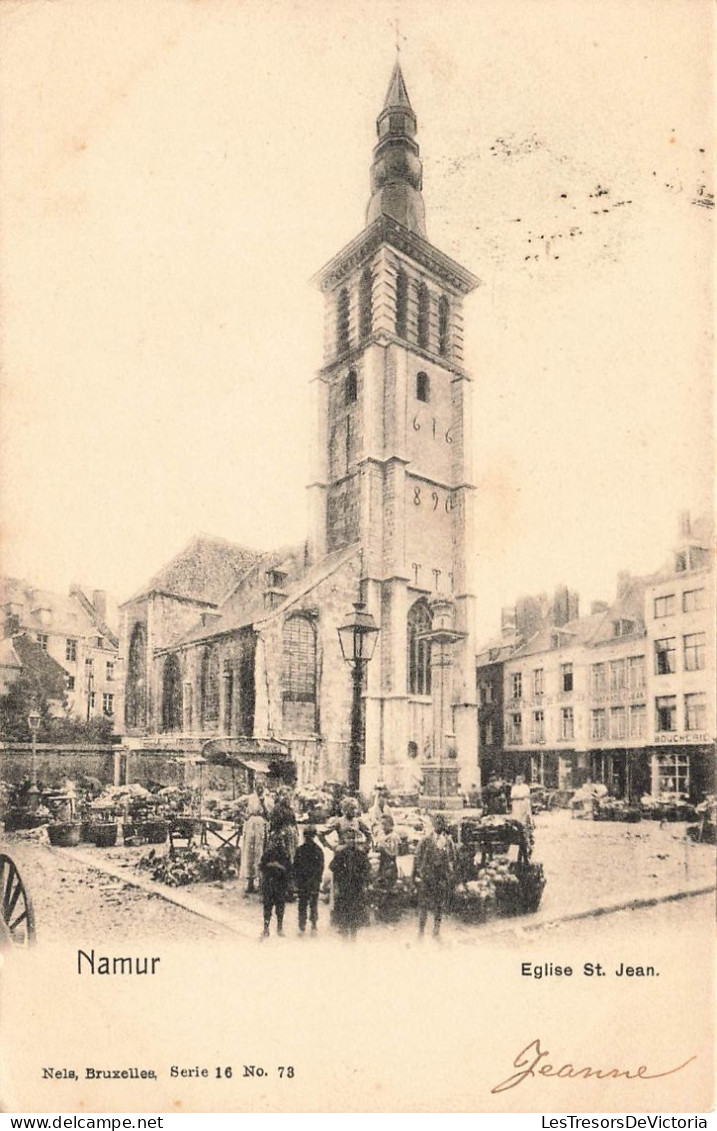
681, 739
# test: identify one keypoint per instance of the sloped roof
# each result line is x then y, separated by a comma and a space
246, 607
498, 648
36, 662
70, 614
8, 656
206, 571
578, 631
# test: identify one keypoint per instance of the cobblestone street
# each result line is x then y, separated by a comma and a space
589, 866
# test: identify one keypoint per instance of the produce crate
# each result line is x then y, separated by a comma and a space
65, 835
104, 835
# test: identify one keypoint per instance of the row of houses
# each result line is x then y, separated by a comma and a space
624, 695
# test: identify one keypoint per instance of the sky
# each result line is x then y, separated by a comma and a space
174, 172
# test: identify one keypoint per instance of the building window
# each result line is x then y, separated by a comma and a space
599, 679
136, 684
443, 325
342, 321
617, 675
666, 713
42, 640
108, 704
636, 673
618, 722
423, 387
665, 656
209, 687
538, 734
515, 728
623, 627
351, 387
598, 724
401, 303
489, 733
91, 698
486, 694
567, 723
70, 649
109, 671
566, 677
693, 600
70, 683
365, 304
638, 714
172, 694
673, 773
299, 679
424, 306
695, 711
538, 682
516, 685
419, 650
665, 606
695, 648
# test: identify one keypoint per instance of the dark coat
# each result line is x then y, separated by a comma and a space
435, 868
308, 866
352, 871
275, 868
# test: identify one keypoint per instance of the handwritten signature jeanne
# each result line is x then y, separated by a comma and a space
529, 1063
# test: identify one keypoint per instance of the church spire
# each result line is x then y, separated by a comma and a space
397, 172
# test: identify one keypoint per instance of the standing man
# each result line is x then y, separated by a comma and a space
434, 873
275, 867
308, 872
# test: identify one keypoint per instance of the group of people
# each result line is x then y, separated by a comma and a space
273, 859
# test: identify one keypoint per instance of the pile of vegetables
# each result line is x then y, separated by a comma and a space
191, 866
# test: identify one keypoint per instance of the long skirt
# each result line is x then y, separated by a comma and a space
252, 848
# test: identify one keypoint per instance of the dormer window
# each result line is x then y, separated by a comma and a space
351, 388
423, 387
623, 627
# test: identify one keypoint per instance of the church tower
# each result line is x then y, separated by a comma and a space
393, 459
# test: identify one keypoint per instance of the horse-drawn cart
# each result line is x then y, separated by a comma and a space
17, 919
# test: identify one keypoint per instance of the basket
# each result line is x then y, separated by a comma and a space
104, 835
65, 834
153, 832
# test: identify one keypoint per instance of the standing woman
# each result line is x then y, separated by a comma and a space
253, 838
520, 808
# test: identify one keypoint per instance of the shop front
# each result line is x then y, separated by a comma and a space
625, 773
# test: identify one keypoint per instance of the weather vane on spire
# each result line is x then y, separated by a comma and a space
396, 25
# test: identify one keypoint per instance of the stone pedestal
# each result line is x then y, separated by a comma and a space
440, 788
440, 773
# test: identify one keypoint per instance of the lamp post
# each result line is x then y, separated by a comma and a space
33, 722
357, 639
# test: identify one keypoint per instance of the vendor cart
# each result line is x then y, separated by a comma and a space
17, 921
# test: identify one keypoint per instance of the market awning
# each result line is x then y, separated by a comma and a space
262, 755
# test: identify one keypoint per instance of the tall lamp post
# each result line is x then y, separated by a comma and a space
357, 639
33, 722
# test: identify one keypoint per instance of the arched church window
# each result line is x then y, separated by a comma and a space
365, 304
172, 694
135, 711
423, 387
424, 307
299, 676
401, 303
342, 321
209, 688
351, 386
299, 659
419, 649
443, 316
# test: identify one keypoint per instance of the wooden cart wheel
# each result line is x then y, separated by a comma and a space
17, 918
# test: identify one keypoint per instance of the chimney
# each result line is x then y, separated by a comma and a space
685, 524
99, 600
507, 621
624, 580
598, 607
210, 617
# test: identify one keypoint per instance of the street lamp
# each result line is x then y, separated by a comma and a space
33, 722
357, 639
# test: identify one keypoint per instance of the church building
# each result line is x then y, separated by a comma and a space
242, 648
